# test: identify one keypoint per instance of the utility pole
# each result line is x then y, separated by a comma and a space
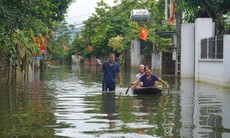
166, 10
178, 16
154, 17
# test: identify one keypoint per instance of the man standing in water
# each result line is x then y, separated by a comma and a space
110, 69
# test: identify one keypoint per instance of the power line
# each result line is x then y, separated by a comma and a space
78, 16
126, 7
116, 14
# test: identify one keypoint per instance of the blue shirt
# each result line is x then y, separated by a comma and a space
150, 82
110, 72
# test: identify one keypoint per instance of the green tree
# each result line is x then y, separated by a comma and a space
62, 38
117, 43
109, 22
21, 20
218, 10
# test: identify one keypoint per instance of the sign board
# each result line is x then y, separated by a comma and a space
140, 15
174, 55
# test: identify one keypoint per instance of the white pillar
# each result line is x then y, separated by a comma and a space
135, 53
203, 29
187, 50
157, 61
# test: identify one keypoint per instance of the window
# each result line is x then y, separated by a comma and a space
204, 48
220, 49
212, 48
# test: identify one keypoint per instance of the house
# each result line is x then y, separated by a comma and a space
204, 56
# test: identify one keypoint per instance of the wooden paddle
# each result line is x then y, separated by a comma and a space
128, 89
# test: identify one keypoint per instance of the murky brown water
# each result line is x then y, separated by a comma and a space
67, 102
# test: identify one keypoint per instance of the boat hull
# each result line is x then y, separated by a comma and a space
147, 90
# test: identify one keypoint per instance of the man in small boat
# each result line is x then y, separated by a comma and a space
110, 69
149, 79
141, 70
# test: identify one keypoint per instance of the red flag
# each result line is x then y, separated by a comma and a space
90, 48
42, 46
143, 33
172, 12
64, 47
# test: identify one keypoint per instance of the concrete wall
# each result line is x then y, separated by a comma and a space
226, 60
211, 72
4, 67
76, 59
135, 53
216, 71
203, 29
156, 61
187, 50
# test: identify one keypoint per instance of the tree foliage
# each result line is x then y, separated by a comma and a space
61, 38
21, 20
218, 10
103, 27
116, 43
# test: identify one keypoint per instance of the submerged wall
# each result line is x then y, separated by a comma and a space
4, 67
211, 70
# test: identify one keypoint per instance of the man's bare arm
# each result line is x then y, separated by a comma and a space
120, 79
100, 67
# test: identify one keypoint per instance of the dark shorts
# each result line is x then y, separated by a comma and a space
108, 86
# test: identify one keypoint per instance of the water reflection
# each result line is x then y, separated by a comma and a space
23, 114
212, 108
109, 107
68, 102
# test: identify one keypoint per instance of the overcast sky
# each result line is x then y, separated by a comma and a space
81, 10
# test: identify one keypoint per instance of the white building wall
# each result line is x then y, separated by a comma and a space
187, 50
135, 53
203, 29
226, 60
211, 71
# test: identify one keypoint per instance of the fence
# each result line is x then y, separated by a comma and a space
212, 48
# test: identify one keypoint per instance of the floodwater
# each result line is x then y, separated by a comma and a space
67, 102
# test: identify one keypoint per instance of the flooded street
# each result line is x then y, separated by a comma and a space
67, 102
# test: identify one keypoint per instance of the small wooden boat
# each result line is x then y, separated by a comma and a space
147, 90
